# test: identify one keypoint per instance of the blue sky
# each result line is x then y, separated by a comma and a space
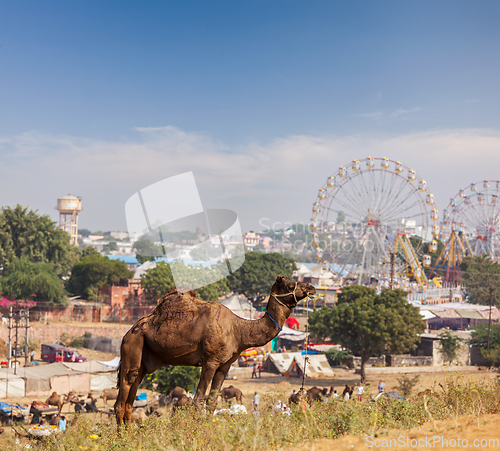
261, 99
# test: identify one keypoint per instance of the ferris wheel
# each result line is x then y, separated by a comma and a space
361, 213
475, 212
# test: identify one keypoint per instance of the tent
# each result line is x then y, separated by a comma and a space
11, 386
278, 363
292, 323
114, 363
240, 306
44, 379
102, 377
316, 366
292, 335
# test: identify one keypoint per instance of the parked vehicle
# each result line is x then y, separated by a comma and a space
52, 352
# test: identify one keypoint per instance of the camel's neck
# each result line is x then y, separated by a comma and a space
259, 332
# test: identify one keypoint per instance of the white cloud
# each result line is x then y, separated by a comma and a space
278, 180
374, 115
402, 111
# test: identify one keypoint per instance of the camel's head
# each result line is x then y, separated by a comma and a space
290, 293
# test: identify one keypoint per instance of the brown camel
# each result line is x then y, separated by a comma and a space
58, 400
316, 394
183, 401
111, 394
231, 392
184, 330
177, 392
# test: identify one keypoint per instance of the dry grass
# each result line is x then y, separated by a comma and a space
193, 430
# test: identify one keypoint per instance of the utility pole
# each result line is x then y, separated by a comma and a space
393, 264
489, 324
9, 349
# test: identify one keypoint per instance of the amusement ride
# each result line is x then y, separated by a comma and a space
370, 221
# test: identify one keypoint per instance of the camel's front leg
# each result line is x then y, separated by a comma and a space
207, 374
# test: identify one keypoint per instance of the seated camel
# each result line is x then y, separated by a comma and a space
187, 331
58, 400
183, 401
231, 392
177, 392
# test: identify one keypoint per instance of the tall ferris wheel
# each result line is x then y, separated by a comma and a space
360, 212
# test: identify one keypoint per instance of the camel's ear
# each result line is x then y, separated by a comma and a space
280, 280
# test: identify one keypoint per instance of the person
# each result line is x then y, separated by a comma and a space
32, 356
256, 401
360, 391
260, 368
73, 357
381, 387
62, 423
254, 371
347, 396
335, 395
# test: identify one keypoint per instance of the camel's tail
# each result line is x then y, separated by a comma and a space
119, 374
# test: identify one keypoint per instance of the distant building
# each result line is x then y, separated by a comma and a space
251, 239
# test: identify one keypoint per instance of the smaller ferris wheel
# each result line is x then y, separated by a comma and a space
475, 211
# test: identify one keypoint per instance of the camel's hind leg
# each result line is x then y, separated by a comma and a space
218, 380
207, 374
128, 374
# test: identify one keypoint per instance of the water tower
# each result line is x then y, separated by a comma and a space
68, 207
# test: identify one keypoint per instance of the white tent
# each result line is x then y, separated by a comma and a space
114, 363
317, 366
291, 334
11, 386
102, 377
240, 306
278, 363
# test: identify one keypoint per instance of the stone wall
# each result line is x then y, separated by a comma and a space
408, 360
49, 333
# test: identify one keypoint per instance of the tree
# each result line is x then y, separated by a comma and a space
158, 280
367, 324
93, 272
89, 250
200, 254
146, 250
481, 277
84, 232
25, 233
258, 273
110, 247
449, 344
165, 379
479, 337
37, 281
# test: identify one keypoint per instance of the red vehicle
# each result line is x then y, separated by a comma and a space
52, 352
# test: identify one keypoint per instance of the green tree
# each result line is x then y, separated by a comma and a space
367, 324
449, 345
110, 247
84, 232
256, 276
146, 250
158, 280
479, 337
23, 278
481, 278
200, 254
93, 272
89, 250
25, 233
165, 379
